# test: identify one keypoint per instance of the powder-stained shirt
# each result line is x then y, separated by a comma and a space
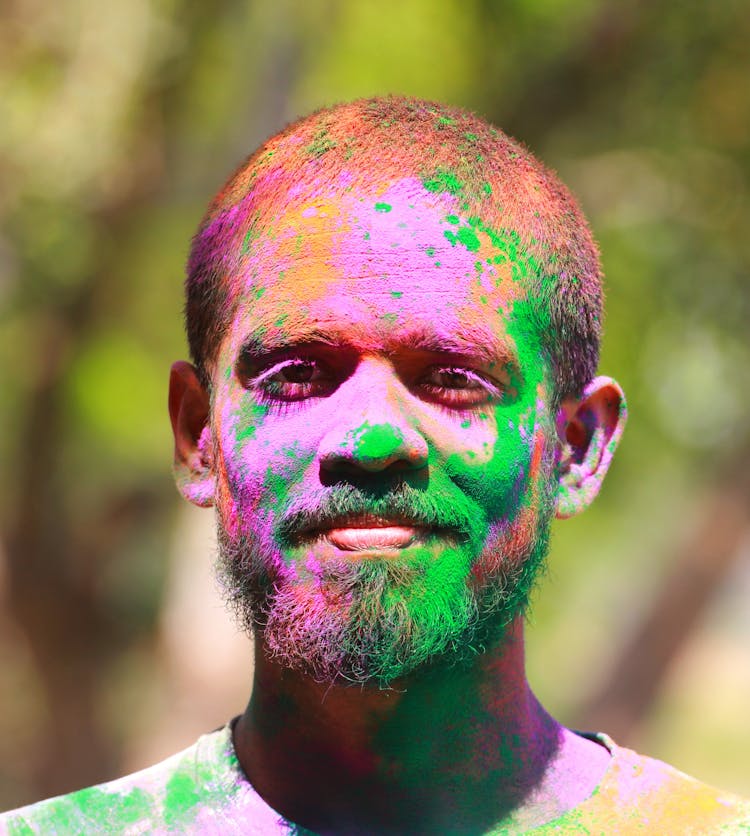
204, 791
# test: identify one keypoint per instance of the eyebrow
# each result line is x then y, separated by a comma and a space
263, 341
478, 342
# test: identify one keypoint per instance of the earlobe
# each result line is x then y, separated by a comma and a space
189, 409
590, 428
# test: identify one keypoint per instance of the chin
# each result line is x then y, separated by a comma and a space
376, 619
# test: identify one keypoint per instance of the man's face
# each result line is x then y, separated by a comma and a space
382, 432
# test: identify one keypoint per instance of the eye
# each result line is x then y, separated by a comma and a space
294, 379
297, 371
456, 379
458, 387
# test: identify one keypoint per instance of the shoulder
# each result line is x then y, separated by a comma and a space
191, 791
644, 795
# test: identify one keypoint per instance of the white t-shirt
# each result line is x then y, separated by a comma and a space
203, 790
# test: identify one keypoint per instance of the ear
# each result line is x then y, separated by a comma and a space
590, 428
189, 411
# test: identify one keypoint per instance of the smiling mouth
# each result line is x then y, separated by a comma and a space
367, 539
371, 533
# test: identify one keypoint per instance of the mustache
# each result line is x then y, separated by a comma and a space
405, 504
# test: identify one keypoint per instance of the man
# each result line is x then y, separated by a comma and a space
394, 316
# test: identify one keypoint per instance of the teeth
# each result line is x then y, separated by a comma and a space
364, 539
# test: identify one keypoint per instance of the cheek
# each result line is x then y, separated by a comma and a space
498, 461
260, 461
511, 538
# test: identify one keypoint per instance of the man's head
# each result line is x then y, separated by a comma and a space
498, 189
396, 311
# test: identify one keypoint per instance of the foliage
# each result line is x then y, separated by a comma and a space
118, 120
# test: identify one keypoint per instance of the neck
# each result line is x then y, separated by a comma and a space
448, 748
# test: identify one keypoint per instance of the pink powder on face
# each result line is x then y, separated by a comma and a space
373, 264
403, 240
374, 275
388, 240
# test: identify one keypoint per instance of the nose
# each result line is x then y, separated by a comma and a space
375, 431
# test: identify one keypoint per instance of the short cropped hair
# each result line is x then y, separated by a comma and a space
497, 181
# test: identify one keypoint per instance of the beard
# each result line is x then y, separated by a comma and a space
374, 620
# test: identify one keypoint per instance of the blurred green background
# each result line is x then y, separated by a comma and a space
118, 121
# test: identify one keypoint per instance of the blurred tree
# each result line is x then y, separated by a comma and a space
100, 100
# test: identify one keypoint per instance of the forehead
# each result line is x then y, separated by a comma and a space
376, 263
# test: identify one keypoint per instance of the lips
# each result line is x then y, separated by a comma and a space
364, 539
368, 532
